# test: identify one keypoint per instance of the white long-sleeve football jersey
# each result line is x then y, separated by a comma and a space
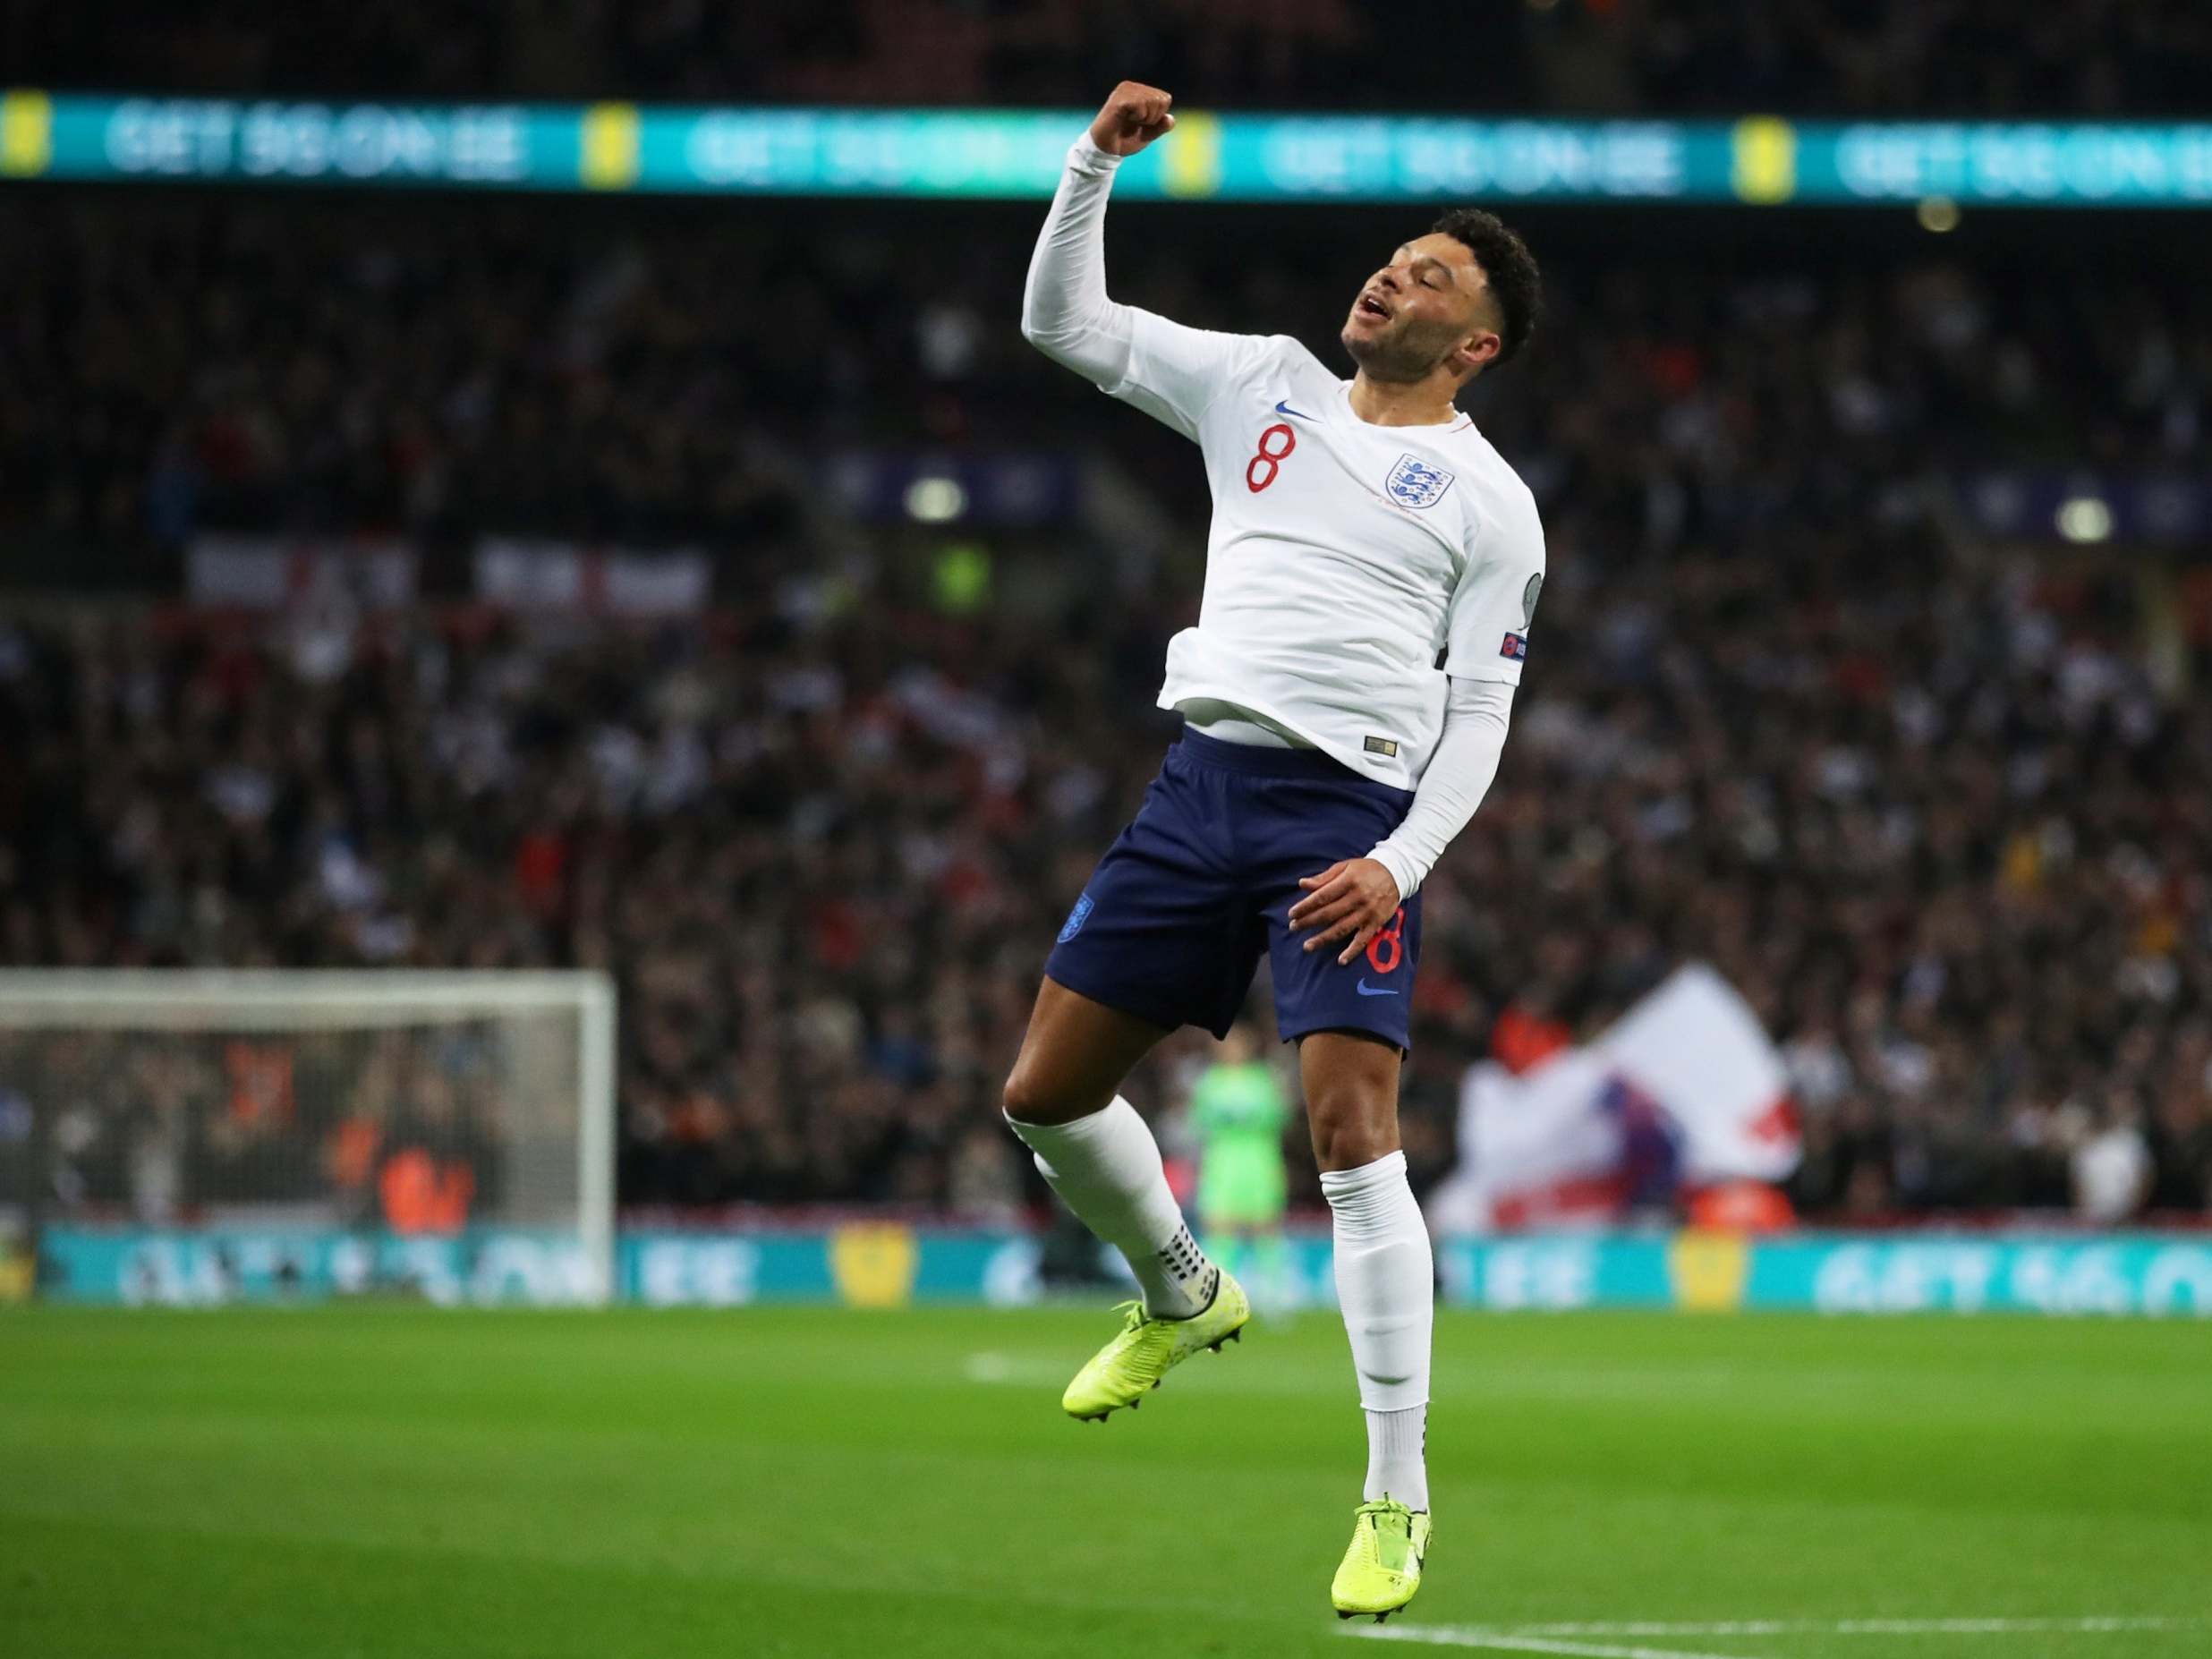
1345, 561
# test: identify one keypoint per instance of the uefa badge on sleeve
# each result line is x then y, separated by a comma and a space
1515, 648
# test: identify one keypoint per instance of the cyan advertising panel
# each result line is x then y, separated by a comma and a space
1756, 159
890, 1264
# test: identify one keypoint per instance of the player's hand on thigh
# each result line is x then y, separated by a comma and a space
1353, 896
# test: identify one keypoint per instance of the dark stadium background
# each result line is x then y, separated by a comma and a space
1795, 713
1871, 671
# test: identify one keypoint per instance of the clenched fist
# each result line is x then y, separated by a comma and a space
1134, 116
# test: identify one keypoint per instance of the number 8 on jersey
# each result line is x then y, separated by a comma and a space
1271, 459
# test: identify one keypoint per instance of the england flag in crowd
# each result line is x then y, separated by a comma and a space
1684, 1092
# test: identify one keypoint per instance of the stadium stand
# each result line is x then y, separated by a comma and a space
1931, 800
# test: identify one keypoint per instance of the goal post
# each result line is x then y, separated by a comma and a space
189, 1135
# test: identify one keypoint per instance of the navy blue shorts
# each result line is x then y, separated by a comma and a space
1173, 921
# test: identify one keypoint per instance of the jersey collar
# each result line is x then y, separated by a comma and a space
1344, 398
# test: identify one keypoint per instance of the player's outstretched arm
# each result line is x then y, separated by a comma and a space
1170, 371
1065, 311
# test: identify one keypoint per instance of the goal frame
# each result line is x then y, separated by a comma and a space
311, 998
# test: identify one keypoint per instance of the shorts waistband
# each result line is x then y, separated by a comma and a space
1260, 761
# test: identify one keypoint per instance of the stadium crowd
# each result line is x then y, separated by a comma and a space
661, 376
1911, 57
1933, 805
1953, 845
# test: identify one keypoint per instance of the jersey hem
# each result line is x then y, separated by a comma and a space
1398, 778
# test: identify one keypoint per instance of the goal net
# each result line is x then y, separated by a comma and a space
191, 1136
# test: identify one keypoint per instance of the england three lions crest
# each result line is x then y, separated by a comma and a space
1415, 483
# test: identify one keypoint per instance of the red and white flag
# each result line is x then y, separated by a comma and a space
1686, 1090
1695, 1046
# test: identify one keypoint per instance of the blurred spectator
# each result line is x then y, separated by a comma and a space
985, 1187
2112, 1166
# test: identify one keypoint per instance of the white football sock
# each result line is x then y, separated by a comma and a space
1397, 1463
1385, 1282
1106, 1168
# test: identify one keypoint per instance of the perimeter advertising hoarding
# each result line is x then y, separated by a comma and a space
1761, 160
889, 1264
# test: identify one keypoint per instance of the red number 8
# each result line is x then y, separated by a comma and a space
1394, 937
1271, 459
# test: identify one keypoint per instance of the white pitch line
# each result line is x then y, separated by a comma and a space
1555, 1638
1021, 1370
2094, 1626
1502, 1641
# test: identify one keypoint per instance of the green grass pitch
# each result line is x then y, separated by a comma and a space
357, 1482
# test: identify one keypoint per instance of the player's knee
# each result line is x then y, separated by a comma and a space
1351, 1148
1019, 1100
1027, 1100
1352, 1126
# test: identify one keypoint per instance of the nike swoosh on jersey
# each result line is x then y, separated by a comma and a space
1284, 408
1365, 989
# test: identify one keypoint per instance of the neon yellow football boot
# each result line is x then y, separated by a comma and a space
1147, 1350
1383, 1569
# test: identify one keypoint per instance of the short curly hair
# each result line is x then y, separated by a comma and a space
1508, 267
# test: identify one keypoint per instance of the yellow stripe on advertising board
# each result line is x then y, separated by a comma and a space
1190, 158
1709, 1269
873, 1263
26, 133
608, 158
1766, 159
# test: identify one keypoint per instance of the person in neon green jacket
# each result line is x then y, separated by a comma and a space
1238, 1111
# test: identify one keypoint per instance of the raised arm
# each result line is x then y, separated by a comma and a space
1170, 371
1065, 311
